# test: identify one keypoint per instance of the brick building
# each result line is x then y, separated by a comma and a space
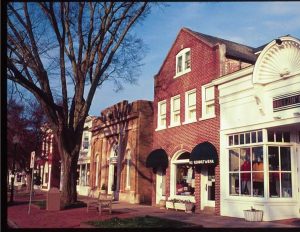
186, 144
121, 141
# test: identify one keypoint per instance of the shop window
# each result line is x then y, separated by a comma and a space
278, 136
175, 111
280, 175
190, 106
185, 177
162, 115
246, 175
183, 62
245, 138
208, 102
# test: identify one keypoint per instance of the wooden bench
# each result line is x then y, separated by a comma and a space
105, 202
99, 201
92, 202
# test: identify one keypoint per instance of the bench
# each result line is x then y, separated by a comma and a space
99, 201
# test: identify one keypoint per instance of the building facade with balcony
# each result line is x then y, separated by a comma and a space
121, 141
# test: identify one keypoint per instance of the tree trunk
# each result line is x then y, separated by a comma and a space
69, 161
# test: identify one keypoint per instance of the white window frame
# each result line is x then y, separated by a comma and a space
205, 103
182, 54
160, 117
189, 108
172, 122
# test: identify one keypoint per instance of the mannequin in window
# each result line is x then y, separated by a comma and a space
246, 177
258, 177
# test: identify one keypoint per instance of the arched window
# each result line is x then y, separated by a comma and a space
183, 62
97, 169
128, 164
183, 174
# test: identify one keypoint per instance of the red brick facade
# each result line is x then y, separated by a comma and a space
207, 63
134, 121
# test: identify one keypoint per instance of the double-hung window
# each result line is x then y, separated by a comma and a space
183, 62
162, 115
190, 106
85, 142
175, 111
208, 102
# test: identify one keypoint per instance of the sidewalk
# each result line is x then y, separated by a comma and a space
18, 216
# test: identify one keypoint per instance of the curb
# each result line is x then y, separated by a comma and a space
11, 224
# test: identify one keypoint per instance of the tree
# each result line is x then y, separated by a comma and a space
76, 46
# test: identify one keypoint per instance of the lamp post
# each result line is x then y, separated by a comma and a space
16, 140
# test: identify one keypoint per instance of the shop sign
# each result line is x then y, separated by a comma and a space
202, 162
286, 101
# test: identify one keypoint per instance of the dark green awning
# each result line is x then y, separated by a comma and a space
157, 159
204, 154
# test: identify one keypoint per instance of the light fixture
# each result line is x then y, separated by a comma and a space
278, 41
277, 117
296, 113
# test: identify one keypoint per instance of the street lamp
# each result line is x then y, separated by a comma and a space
16, 140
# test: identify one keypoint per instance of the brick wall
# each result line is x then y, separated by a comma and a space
204, 68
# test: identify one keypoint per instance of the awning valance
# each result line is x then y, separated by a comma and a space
157, 159
204, 154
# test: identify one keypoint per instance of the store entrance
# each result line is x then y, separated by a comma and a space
208, 187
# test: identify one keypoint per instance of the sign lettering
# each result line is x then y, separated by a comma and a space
286, 102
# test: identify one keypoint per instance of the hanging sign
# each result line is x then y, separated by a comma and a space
32, 159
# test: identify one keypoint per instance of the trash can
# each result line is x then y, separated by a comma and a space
53, 199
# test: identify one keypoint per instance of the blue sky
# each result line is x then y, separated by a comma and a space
250, 23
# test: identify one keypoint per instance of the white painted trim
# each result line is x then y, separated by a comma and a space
172, 123
159, 104
182, 53
186, 106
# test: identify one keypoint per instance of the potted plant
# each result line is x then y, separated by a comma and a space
103, 189
189, 206
253, 215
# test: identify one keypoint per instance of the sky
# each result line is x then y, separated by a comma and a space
251, 23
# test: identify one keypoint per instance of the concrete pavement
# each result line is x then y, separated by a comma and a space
18, 216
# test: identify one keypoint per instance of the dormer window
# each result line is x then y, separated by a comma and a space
183, 62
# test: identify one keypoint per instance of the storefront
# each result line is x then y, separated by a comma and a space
121, 140
260, 134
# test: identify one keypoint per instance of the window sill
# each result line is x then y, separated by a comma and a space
182, 73
174, 125
207, 117
188, 122
160, 128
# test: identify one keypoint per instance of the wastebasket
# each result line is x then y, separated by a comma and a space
53, 199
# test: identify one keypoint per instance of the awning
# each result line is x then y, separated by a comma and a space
204, 154
157, 159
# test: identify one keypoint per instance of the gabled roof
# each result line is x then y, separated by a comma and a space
233, 49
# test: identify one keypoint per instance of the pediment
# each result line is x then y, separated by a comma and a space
279, 60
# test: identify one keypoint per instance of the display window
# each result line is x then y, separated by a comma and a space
185, 177
247, 174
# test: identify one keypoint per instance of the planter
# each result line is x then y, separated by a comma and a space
189, 207
169, 205
179, 206
253, 215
